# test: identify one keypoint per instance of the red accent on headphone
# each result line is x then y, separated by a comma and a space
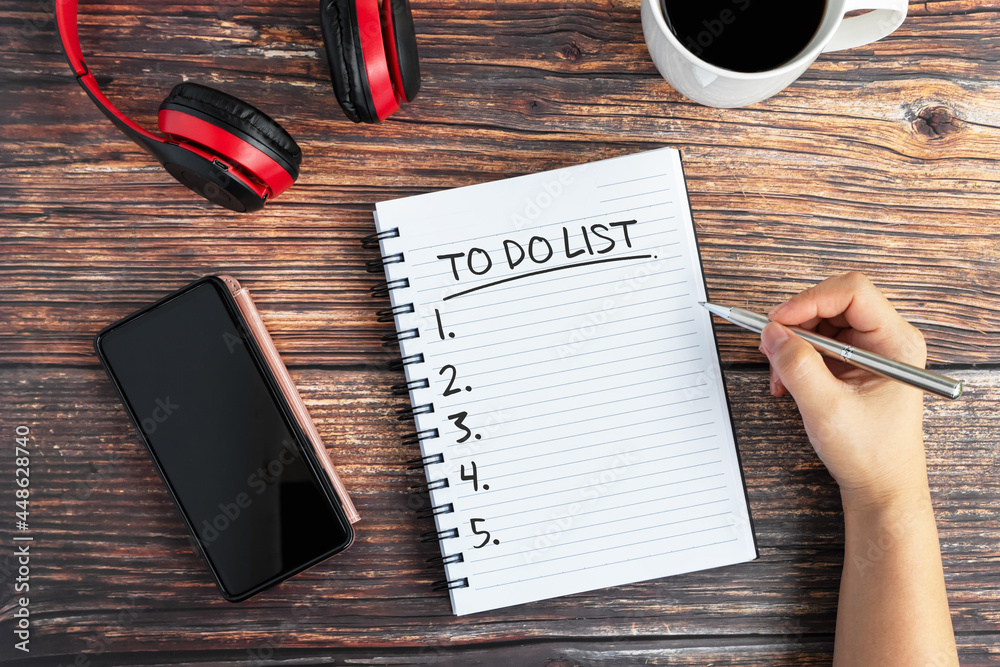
182, 127
66, 15
373, 52
66, 21
389, 30
89, 84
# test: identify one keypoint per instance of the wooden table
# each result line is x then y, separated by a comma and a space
883, 159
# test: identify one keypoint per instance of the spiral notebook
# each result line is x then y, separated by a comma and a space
564, 381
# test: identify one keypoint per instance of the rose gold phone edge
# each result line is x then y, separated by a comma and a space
256, 325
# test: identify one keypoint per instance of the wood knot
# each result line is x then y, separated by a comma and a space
571, 52
935, 122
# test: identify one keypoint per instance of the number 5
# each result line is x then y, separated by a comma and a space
476, 531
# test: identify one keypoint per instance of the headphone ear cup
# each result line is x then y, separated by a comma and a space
347, 69
401, 47
203, 175
234, 130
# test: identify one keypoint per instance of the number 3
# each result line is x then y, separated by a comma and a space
459, 420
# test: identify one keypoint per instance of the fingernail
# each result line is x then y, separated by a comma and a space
773, 337
781, 306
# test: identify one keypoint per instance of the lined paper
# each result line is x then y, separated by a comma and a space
575, 390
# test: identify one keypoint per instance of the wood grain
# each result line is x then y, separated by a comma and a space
125, 558
881, 159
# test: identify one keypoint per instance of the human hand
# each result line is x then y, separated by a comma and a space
868, 430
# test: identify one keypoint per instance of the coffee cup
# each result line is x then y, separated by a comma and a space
739, 38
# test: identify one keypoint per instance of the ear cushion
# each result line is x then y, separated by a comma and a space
231, 114
343, 51
405, 42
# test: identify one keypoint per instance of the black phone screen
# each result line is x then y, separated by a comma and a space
222, 437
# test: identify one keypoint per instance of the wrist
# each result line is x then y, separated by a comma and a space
892, 475
901, 499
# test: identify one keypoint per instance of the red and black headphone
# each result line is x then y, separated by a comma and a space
235, 155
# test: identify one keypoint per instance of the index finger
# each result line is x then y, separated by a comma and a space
852, 300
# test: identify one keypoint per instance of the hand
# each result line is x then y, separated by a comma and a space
867, 429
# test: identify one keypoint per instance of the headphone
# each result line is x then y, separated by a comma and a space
234, 154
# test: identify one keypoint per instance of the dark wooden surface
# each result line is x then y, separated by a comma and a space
883, 159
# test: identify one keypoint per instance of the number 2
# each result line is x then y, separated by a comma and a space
450, 389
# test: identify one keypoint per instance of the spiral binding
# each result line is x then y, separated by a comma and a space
406, 361
442, 483
405, 389
371, 242
389, 314
408, 334
449, 585
424, 461
419, 436
411, 412
382, 291
378, 265
439, 535
436, 510
438, 561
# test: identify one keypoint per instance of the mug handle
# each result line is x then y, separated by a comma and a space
885, 17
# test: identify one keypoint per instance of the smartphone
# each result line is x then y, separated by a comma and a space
228, 433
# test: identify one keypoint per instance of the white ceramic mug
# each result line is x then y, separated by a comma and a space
717, 87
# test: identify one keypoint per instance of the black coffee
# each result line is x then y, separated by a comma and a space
744, 35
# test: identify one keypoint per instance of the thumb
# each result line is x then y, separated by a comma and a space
799, 367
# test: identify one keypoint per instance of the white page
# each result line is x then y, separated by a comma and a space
596, 413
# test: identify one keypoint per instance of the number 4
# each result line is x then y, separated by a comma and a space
474, 478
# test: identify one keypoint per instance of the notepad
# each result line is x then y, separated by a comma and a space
564, 381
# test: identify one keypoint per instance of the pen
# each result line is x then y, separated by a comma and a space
874, 363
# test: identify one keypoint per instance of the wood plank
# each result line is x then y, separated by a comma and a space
621, 650
844, 171
110, 541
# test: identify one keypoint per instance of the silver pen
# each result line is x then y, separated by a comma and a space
874, 363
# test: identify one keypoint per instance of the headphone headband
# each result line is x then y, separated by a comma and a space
66, 17
66, 26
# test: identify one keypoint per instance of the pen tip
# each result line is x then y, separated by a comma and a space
716, 310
